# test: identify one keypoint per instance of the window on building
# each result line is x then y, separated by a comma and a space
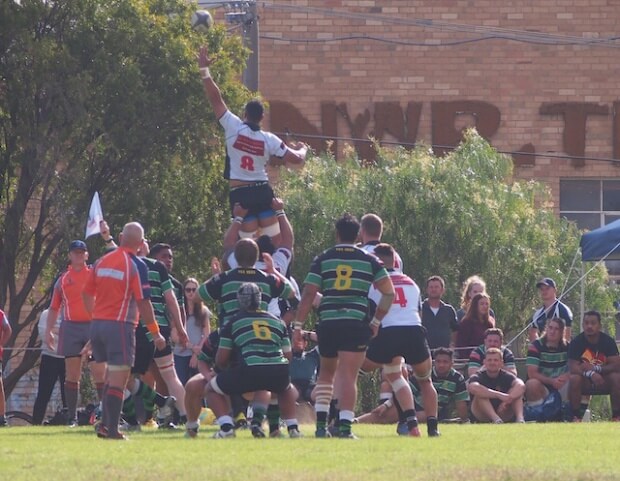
591, 204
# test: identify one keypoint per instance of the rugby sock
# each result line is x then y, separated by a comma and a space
72, 390
273, 416
113, 404
334, 413
346, 417
129, 409
99, 386
323, 392
291, 424
259, 411
104, 410
226, 423
384, 396
431, 424
411, 419
148, 394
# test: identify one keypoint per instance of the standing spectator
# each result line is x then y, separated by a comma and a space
594, 364
497, 395
473, 326
552, 307
51, 369
473, 285
371, 230
198, 329
248, 149
438, 318
493, 337
5, 334
547, 365
344, 275
117, 288
74, 331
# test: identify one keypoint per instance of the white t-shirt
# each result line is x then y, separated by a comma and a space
398, 262
45, 348
405, 310
247, 150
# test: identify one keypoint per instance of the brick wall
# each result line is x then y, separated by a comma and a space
340, 88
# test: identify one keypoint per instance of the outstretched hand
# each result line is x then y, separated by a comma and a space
203, 57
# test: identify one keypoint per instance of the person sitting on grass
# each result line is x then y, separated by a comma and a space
497, 395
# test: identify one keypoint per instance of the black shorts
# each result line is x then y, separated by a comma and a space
256, 198
166, 351
406, 341
343, 335
243, 378
145, 349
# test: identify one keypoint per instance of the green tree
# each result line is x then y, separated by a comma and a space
102, 96
455, 216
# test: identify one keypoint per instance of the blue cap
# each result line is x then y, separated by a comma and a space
77, 245
547, 281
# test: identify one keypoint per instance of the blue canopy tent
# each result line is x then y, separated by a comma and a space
601, 244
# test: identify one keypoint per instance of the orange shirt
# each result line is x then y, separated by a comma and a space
117, 282
68, 294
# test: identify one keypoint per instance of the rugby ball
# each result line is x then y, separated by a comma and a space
202, 21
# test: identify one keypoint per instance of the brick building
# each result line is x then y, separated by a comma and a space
533, 77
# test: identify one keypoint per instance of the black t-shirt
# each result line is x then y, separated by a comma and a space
502, 383
581, 350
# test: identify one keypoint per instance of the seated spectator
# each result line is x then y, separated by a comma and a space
497, 395
451, 394
450, 385
493, 337
472, 286
547, 369
594, 365
438, 318
303, 367
473, 326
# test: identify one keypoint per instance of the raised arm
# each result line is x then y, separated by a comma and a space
211, 89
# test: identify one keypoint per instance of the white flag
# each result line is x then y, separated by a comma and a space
95, 216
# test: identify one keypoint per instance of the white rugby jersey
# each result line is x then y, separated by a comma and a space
398, 262
405, 310
248, 150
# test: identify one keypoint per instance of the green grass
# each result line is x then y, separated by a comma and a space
530, 452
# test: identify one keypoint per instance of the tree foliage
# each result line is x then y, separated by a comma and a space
453, 216
103, 96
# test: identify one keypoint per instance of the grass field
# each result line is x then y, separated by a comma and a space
587, 451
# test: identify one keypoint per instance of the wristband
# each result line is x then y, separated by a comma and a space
108, 241
280, 213
153, 328
205, 73
388, 404
238, 219
375, 322
598, 368
297, 326
588, 374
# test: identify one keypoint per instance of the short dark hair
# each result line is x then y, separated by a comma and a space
246, 252
445, 351
254, 111
347, 227
384, 250
438, 279
593, 313
157, 248
494, 331
372, 225
265, 244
